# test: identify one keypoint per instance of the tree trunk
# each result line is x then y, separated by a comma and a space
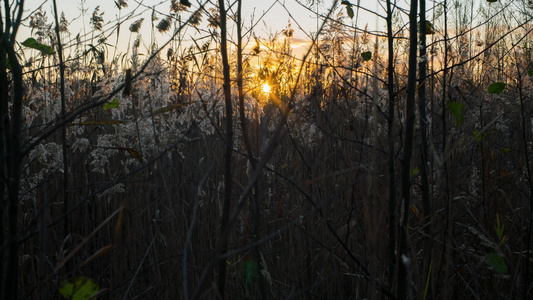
423, 121
391, 155
403, 258
228, 177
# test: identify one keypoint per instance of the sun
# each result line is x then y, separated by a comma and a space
266, 88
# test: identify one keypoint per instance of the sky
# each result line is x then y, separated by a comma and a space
275, 17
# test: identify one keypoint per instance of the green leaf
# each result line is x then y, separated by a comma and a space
430, 29
250, 271
366, 55
79, 288
457, 110
477, 136
497, 263
414, 172
186, 3
530, 72
507, 150
349, 9
496, 88
8, 64
112, 104
427, 282
32, 43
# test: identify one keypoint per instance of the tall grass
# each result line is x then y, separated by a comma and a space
146, 173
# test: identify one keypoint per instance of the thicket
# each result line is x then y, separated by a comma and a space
381, 164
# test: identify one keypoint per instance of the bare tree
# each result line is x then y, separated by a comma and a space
11, 159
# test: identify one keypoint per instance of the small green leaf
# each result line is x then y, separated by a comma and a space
79, 288
477, 136
507, 150
414, 172
530, 72
366, 55
112, 104
496, 88
497, 263
427, 282
250, 271
429, 28
32, 43
457, 110
185, 3
349, 9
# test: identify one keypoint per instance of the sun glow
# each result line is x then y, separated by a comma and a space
266, 88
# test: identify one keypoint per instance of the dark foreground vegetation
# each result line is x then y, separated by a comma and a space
386, 164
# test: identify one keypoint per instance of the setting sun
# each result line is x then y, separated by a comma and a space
266, 88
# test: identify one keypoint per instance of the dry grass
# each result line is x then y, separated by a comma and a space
322, 228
